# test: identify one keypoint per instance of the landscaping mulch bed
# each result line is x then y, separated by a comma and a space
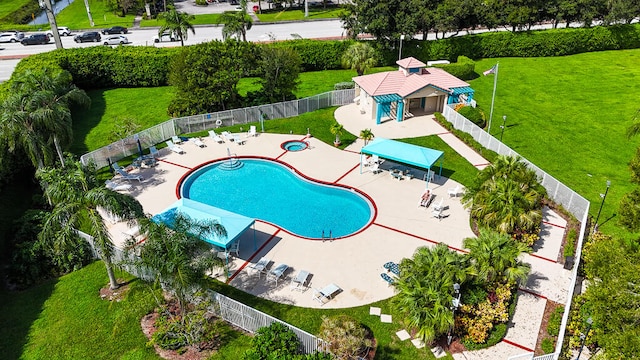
148, 328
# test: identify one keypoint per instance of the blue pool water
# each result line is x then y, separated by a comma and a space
271, 192
294, 145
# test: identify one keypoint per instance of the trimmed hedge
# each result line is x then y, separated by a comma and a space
99, 67
464, 68
554, 42
317, 54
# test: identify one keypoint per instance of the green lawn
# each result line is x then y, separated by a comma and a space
75, 16
7, 7
568, 115
200, 19
298, 14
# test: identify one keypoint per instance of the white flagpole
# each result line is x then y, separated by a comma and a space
493, 97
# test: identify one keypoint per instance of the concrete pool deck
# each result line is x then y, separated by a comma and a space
355, 263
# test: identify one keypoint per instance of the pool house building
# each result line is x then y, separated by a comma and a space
412, 90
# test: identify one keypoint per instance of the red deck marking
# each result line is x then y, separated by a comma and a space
533, 293
351, 151
281, 155
543, 258
556, 225
252, 256
444, 133
347, 173
172, 163
517, 345
419, 237
485, 164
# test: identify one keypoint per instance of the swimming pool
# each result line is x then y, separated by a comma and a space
269, 191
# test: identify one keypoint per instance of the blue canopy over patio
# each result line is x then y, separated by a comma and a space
415, 155
235, 224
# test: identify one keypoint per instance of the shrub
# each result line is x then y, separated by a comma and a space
555, 320
467, 139
347, 338
464, 68
344, 85
317, 54
474, 114
548, 345
273, 342
570, 243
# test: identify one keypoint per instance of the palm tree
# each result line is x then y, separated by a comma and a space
425, 289
39, 108
178, 22
366, 135
236, 23
337, 129
77, 194
177, 254
359, 57
494, 258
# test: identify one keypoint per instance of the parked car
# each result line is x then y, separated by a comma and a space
115, 30
87, 37
35, 39
62, 31
166, 36
116, 40
11, 36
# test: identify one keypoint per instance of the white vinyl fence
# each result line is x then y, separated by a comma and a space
560, 193
190, 124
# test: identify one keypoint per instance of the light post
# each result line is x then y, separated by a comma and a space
400, 52
504, 120
604, 197
583, 337
455, 304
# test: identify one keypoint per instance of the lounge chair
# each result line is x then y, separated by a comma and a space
176, 139
277, 272
261, 265
175, 148
375, 159
437, 213
325, 294
153, 153
425, 198
112, 185
237, 140
252, 131
375, 168
199, 143
454, 191
439, 205
215, 137
227, 136
300, 281
387, 278
125, 175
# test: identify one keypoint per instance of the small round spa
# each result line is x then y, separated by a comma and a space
294, 145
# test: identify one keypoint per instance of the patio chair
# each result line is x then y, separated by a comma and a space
112, 185
125, 175
153, 153
175, 148
325, 294
454, 191
237, 140
425, 198
299, 282
215, 137
252, 131
176, 139
261, 265
397, 174
277, 272
376, 159
375, 168
437, 214
199, 143
234, 249
439, 205
227, 136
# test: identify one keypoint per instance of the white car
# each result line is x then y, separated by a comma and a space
167, 36
115, 40
13, 36
62, 31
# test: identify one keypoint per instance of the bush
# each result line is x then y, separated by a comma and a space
347, 338
273, 342
467, 139
570, 243
474, 114
464, 68
555, 320
344, 85
548, 345
317, 54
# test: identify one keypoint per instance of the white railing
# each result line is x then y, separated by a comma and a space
190, 124
560, 193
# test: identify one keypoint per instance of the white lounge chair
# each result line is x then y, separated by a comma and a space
237, 139
199, 142
454, 191
227, 136
375, 159
176, 139
300, 281
175, 148
325, 294
277, 272
439, 205
437, 213
112, 185
215, 137
425, 198
252, 131
375, 168
261, 265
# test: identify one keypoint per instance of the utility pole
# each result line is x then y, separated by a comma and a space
48, 9
86, 4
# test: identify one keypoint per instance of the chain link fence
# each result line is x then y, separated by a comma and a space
190, 124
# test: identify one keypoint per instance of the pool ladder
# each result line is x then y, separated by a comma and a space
232, 163
330, 238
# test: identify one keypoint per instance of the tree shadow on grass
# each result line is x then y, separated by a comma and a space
85, 119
